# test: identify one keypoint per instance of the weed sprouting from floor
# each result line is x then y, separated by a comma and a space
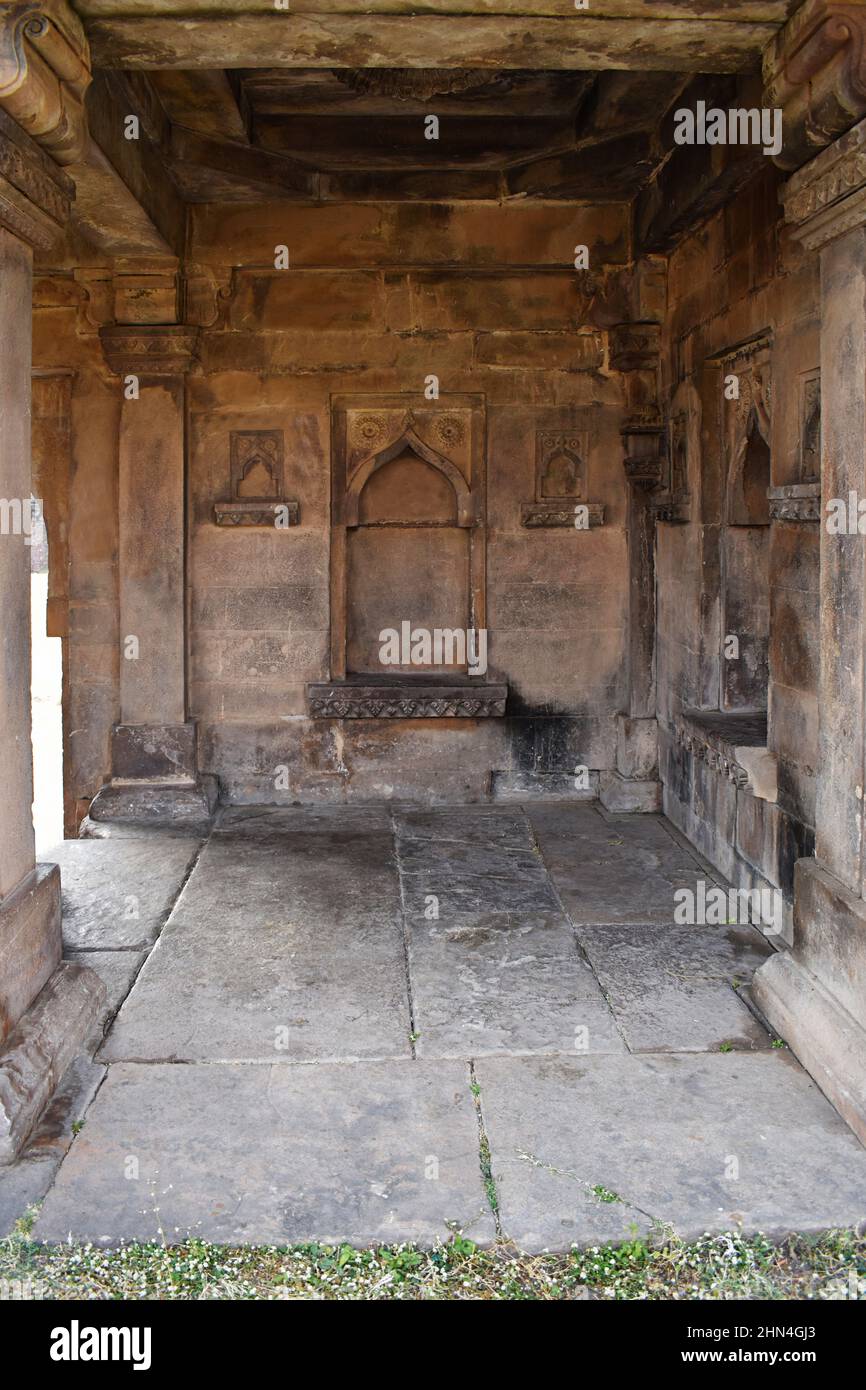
657, 1266
604, 1194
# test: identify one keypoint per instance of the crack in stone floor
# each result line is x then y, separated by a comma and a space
351, 992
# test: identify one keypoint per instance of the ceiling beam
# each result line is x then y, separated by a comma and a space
576, 43
747, 11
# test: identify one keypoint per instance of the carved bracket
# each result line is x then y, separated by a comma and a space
815, 70
44, 74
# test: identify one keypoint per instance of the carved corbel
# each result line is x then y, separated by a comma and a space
205, 294
815, 72
44, 74
634, 350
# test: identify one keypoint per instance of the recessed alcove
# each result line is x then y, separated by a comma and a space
408, 561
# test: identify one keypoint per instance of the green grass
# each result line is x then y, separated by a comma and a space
832, 1266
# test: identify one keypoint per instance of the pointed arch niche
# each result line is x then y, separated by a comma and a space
408, 532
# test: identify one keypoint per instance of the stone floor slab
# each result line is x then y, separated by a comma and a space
464, 825
363, 1153
117, 893
493, 961
672, 989
302, 820
623, 869
496, 983
283, 946
118, 971
701, 1143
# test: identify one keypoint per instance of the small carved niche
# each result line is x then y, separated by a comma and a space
560, 481
257, 489
257, 464
560, 465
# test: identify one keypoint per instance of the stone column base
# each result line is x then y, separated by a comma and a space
154, 779
30, 943
814, 996
618, 793
46, 1039
154, 803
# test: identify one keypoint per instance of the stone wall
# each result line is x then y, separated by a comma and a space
744, 304
377, 299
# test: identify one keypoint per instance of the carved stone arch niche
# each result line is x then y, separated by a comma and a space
745, 557
408, 529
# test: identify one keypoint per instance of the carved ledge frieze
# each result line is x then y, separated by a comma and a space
406, 700
579, 516
795, 502
815, 72
44, 74
828, 197
276, 514
35, 195
149, 350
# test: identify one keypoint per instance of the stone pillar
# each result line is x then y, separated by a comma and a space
154, 771
815, 995
634, 784
46, 1008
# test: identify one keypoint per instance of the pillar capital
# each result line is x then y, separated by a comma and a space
44, 74
827, 198
149, 350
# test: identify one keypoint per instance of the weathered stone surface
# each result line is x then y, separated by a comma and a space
117, 969
493, 962
38, 1051
149, 752
676, 1130
333, 1154
158, 803
624, 794
583, 851
316, 972
23, 1185
823, 1035
674, 989
118, 893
